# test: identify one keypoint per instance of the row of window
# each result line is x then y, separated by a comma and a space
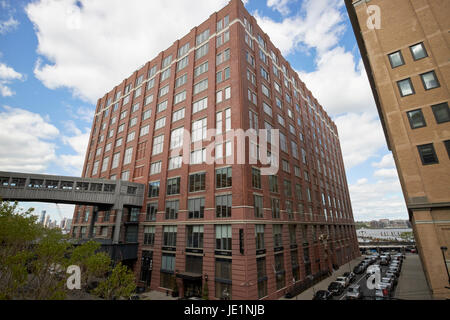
441, 114
428, 154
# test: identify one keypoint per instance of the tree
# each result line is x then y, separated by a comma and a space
120, 283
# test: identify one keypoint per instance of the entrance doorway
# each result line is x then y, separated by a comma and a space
192, 288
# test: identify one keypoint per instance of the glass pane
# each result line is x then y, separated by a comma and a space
430, 80
418, 51
405, 87
396, 59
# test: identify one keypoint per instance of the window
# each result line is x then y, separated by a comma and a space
416, 119
172, 209
256, 178
152, 209
173, 186
155, 167
144, 130
201, 69
149, 235
162, 106
275, 208
169, 239
153, 188
133, 122
267, 110
202, 37
150, 84
429, 80
418, 51
178, 115
194, 237
166, 62
152, 72
201, 86
447, 146
138, 92
223, 206
273, 184
181, 81
262, 277
223, 23
183, 50
196, 208
427, 154
227, 120
115, 161
158, 144
200, 105
176, 138
167, 269
202, 51
125, 175
197, 182
175, 162
182, 63
105, 164
223, 57
180, 97
259, 236
406, 87
223, 239
265, 74
253, 120
128, 155
223, 279
131, 136
199, 130
258, 205
441, 112
198, 156
396, 59
224, 178
147, 114
265, 90
287, 189
163, 91
250, 59
223, 75
222, 39
277, 235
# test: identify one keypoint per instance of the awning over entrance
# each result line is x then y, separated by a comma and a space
189, 276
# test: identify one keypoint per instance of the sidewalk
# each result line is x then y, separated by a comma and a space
156, 295
323, 285
412, 284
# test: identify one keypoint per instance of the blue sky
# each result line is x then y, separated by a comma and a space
57, 57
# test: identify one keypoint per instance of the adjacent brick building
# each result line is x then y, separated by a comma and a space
241, 234
407, 60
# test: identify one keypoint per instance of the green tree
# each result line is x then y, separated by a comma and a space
119, 284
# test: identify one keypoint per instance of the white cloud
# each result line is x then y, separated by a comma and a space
7, 75
280, 5
386, 162
361, 137
78, 141
24, 137
382, 199
93, 48
340, 84
386, 173
317, 26
8, 25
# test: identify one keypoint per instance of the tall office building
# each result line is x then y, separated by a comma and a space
405, 46
42, 218
227, 227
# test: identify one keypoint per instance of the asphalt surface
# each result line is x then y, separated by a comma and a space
361, 280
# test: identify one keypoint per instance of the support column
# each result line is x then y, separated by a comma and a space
116, 236
92, 223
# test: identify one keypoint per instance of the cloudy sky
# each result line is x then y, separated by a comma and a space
57, 57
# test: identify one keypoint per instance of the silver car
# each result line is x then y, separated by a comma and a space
354, 292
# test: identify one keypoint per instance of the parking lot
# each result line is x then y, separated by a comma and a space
354, 284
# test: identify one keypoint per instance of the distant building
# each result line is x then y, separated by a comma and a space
41, 220
46, 221
68, 224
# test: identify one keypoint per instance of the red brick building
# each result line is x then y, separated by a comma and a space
226, 227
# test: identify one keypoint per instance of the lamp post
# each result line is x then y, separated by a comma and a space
444, 249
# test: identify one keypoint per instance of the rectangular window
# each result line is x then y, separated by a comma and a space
144, 130
201, 69
428, 154
180, 97
430, 80
275, 208
169, 240
416, 119
162, 106
202, 51
406, 87
147, 114
105, 164
447, 146
267, 110
166, 62
128, 156
115, 162
223, 57
277, 235
131, 136
256, 178
148, 99
441, 112
201, 86
262, 277
178, 115
200, 105
149, 235
183, 50
152, 209
176, 138
198, 156
181, 81
224, 178
163, 91
175, 162
182, 63
258, 206
202, 37
273, 184
194, 237
173, 186
223, 206
172, 209
199, 130
418, 51
158, 144
197, 182
259, 236
265, 91
160, 123
396, 59
153, 187
196, 208
223, 239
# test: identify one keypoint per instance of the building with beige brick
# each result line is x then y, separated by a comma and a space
405, 46
227, 227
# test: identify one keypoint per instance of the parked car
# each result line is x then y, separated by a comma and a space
354, 292
343, 280
336, 288
384, 262
388, 281
350, 276
323, 295
394, 271
358, 269
392, 277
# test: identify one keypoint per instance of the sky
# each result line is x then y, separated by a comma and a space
58, 57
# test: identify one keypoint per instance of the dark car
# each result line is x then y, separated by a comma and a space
358, 270
350, 276
336, 288
323, 295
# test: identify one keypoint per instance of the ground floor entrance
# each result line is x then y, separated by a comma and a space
192, 288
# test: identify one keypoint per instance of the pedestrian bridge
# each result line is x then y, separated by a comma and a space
25, 187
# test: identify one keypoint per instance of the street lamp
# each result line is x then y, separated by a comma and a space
443, 249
